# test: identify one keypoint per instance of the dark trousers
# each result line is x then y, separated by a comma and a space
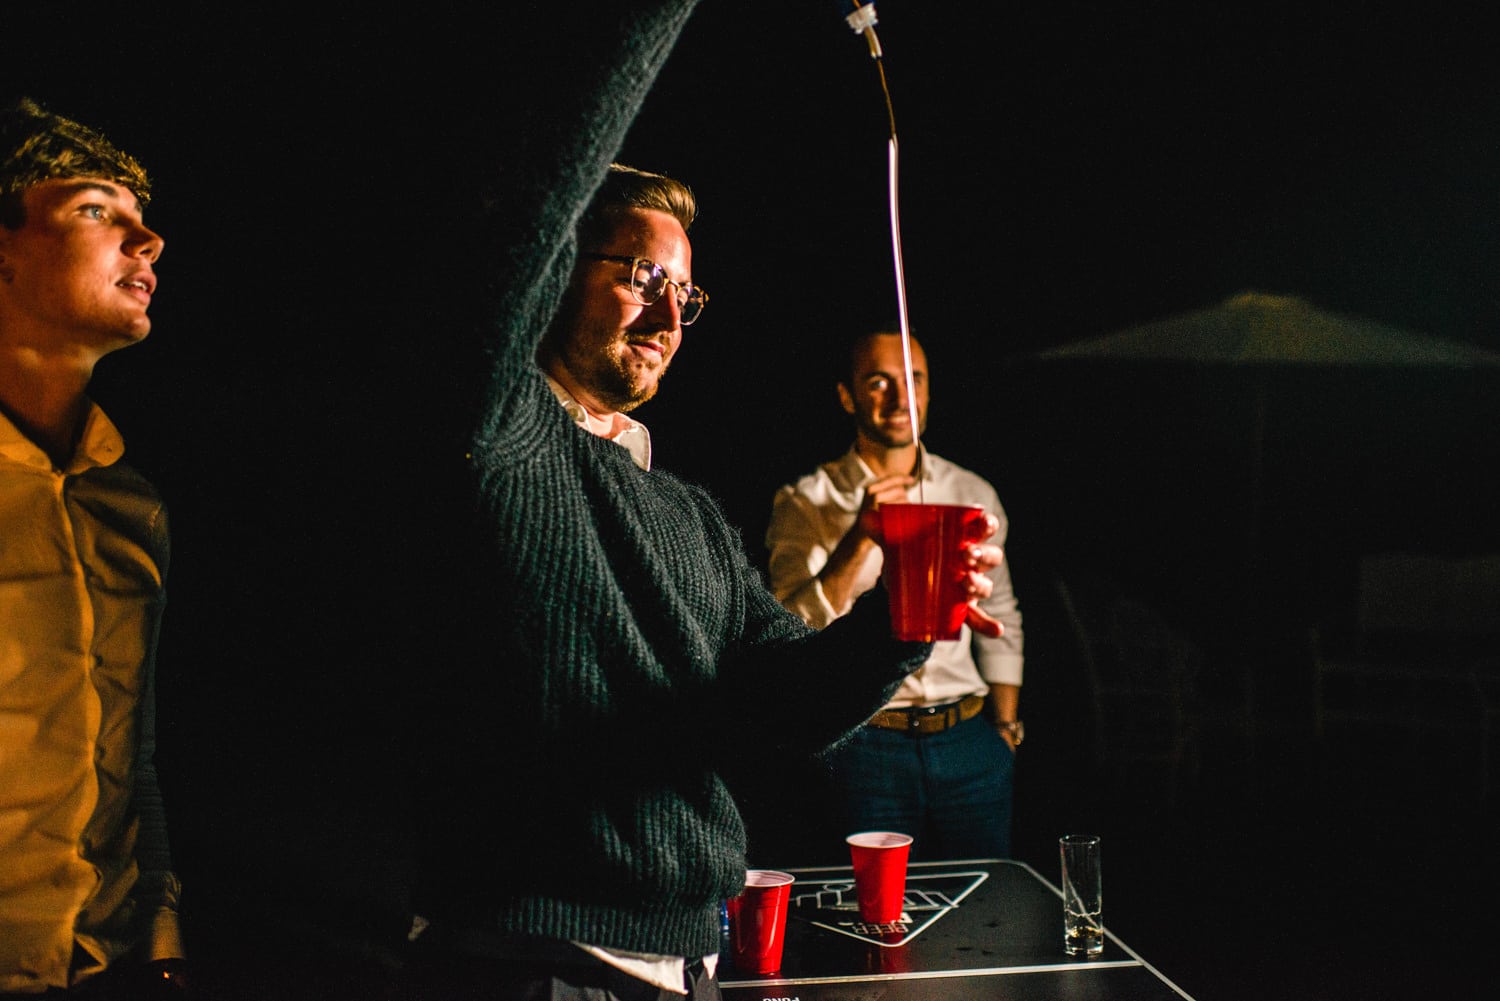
951, 791
561, 972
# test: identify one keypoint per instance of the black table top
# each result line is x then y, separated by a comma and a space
971, 929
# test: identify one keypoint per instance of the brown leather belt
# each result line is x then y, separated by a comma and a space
923, 720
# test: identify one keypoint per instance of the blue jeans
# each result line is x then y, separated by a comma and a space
951, 791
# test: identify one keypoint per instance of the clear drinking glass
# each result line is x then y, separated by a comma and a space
1083, 895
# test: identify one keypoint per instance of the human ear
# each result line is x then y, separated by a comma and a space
846, 398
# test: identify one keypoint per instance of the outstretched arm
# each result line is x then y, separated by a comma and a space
557, 148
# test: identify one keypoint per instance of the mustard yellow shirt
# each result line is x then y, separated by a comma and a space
85, 873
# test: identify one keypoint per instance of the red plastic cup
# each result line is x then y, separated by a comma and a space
879, 859
890, 957
925, 566
757, 921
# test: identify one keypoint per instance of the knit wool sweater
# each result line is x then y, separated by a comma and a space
635, 654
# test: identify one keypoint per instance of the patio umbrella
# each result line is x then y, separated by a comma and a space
1257, 328
1262, 332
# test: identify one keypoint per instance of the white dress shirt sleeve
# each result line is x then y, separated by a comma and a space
799, 550
999, 659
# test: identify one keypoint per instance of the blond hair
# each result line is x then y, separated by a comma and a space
36, 146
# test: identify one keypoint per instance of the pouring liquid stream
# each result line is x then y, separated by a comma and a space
906, 364
862, 19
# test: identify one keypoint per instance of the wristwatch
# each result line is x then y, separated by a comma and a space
1012, 728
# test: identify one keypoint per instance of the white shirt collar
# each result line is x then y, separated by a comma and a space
860, 474
627, 432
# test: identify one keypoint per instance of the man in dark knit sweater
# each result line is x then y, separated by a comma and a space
581, 834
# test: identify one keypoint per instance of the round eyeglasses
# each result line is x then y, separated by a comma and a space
648, 280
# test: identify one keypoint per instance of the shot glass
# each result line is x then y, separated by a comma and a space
1083, 895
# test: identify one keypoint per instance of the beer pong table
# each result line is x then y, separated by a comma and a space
975, 929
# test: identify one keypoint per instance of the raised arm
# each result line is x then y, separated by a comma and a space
557, 143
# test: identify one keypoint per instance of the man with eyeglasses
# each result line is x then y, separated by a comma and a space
611, 357
580, 837
937, 762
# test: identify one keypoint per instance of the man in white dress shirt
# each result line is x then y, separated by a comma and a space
937, 762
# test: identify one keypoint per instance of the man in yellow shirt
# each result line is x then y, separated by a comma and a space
88, 899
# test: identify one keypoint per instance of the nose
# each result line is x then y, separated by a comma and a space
898, 394
144, 242
667, 310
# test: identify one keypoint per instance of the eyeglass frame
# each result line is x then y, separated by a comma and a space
635, 264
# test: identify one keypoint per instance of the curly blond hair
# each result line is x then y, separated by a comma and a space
37, 145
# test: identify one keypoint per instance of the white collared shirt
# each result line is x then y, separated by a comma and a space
809, 517
628, 433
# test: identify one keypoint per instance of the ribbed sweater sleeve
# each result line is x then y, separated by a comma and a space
567, 142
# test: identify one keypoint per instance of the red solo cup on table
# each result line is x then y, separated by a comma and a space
879, 859
925, 566
757, 921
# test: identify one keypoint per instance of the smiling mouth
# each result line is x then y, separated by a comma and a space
135, 283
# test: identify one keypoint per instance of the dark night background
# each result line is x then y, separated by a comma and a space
1067, 170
